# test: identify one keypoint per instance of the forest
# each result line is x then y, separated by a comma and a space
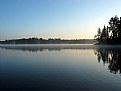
110, 34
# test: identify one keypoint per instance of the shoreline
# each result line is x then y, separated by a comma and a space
59, 46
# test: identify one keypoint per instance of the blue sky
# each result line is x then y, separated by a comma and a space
66, 19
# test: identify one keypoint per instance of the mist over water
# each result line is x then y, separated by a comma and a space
60, 68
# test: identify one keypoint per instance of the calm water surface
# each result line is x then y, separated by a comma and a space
60, 68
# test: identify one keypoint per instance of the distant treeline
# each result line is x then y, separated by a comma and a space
47, 41
110, 34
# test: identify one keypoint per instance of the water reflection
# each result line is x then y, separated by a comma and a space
112, 57
36, 68
109, 55
40, 48
32, 49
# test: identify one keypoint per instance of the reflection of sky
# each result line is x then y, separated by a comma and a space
66, 57
63, 57
70, 68
55, 18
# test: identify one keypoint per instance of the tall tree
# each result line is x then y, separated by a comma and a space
98, 34
112, 33
104, 34
113, 27
119, 30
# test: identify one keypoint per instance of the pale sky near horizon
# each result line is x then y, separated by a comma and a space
65, 19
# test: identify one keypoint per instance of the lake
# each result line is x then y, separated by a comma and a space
60, 68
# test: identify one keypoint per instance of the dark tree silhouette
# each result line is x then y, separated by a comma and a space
114, 23
98, 34
110, 34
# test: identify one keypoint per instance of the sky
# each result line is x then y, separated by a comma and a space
65, 19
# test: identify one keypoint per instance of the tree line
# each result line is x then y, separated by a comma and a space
35, 40
110, 34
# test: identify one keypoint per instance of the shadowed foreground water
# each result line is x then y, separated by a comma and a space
60, 68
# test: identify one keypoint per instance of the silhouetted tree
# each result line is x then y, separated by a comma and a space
119, 30
113, 26
98, 34
104, 34
111, 34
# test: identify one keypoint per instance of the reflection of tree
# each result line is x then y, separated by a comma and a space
43, 48
111, 57
32, 49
